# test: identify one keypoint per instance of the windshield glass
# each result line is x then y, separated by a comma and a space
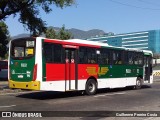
22, 48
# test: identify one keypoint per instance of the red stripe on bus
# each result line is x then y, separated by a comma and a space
61, 72
71, 43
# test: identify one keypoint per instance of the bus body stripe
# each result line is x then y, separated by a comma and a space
71, 43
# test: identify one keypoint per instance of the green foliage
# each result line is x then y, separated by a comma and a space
50, 33
4, 38
61, 34
29, 11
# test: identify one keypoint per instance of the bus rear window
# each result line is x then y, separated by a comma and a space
22, 48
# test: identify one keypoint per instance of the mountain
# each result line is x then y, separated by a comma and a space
20, 36
81, 34
85, 34
76, 33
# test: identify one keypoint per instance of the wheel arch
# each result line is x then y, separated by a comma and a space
140, 76
92, 77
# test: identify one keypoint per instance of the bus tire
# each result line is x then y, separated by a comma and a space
138, 83
91, 87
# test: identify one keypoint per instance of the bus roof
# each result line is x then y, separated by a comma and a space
91, 43
87, 42
97, 43
147, 52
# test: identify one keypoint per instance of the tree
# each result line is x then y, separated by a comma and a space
4, 38
29, 12
50, 33
61, 34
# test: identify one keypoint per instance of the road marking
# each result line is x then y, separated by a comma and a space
7, 106
110, 94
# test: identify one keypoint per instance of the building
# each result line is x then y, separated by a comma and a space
145, 40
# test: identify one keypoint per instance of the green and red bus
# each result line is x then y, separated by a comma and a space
67, 65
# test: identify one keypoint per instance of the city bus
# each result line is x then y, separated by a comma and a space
38, 63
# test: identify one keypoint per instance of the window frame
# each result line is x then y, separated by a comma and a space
62, 61
134, 55
12, 48
88, 51
119, 60
107, 53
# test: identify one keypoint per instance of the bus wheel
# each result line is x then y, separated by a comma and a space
91, 87
138, 83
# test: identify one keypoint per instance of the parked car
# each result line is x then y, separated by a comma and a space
3, 69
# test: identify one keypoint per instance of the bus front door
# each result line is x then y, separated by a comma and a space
70, 69
148, 67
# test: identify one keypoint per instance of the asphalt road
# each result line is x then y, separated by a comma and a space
145, 99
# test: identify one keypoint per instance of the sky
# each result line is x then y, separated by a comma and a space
117, 16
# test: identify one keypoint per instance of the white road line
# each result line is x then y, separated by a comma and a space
110, 94
7, 106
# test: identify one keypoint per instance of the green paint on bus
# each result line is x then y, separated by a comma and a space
22, 70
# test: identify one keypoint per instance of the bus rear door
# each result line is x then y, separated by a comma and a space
71, 69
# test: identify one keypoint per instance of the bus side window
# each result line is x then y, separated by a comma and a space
141, 60
130, 57
83, 55
57, 53
48, 52
53, 52
136, 59
91, 55
117, 57
87, 55
104, 57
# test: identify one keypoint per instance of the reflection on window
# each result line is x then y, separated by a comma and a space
87, 55
134, 58
19, 52
20, 48
104, 56
130, 57
91, 55
117, 57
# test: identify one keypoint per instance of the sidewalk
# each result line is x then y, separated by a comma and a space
3, 84
5, 89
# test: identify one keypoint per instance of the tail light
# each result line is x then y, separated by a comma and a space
35, 72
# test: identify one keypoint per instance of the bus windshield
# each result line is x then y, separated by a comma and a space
22, 48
